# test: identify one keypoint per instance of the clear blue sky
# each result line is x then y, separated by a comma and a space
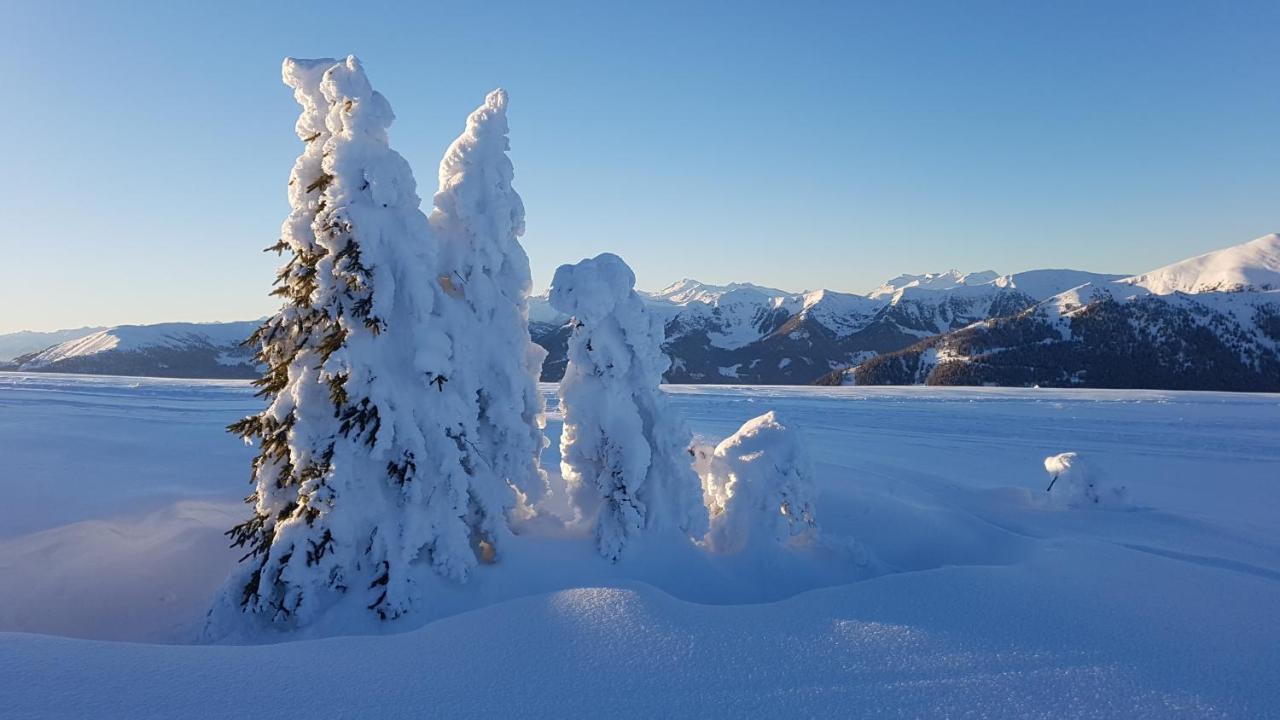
146, 146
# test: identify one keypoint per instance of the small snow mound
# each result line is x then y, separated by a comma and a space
758, 482
1077, 483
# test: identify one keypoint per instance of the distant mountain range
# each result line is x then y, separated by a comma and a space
1208, 322
743, 333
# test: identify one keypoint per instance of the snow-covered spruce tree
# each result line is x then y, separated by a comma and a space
365, 462
1076, 483
758, 485
478, 219
624, 453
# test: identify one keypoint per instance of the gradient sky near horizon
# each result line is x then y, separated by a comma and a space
146, 145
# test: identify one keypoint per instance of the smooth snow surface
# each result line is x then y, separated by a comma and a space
962, 590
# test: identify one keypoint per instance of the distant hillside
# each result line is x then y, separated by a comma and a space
1254, 265
25, 342
187, 350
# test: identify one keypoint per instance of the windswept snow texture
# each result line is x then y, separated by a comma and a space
970, 592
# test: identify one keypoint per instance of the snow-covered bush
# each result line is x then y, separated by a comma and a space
478, 217
1074, 482
368, 460
624, 453
758, 486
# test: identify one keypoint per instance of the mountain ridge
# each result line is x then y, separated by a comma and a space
1211, 322
747, 333
188, 350
23, 342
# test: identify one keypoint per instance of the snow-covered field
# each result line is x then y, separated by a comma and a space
948, 583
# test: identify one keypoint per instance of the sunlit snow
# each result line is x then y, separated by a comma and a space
960, 584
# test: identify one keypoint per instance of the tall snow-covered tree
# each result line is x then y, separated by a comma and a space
478, 218
624, 453
758, 486
366, 462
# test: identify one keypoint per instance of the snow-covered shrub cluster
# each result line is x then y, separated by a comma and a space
403, 430
402, 424
1075, 483
624, 454
758, 486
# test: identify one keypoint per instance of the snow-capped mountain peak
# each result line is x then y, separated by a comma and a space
933, 281
689, 290
540, 310
1254, 265
1044, 284
980, 277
